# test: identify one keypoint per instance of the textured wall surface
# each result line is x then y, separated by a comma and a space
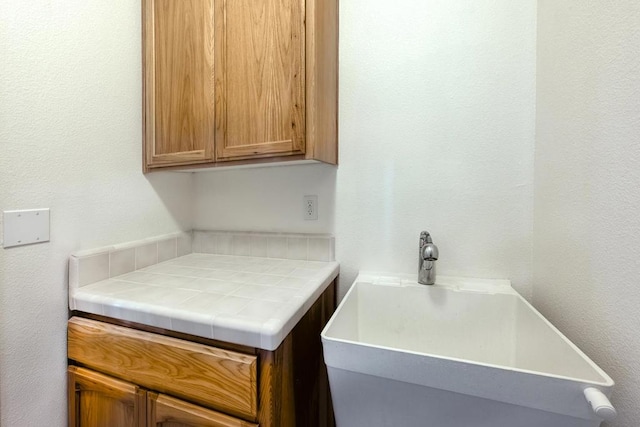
587, 185
70, 140
437, 114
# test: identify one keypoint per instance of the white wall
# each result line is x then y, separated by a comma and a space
587, 185
437, 114
265, 199
70, 139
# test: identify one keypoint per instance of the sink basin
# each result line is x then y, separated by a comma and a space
463, 352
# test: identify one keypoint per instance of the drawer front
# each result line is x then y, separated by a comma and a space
166, 411
209, 376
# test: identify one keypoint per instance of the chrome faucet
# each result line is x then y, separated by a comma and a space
427, 257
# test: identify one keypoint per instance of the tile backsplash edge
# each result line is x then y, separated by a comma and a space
297, 246
94, 265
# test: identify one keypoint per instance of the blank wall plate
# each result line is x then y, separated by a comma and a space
25, 227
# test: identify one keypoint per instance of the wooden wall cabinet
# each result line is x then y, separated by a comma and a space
239, 81
130, 375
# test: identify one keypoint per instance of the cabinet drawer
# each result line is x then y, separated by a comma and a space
165, 411
209, 376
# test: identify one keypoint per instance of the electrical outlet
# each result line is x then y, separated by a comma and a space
310, 208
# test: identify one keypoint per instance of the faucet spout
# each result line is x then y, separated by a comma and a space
427, 256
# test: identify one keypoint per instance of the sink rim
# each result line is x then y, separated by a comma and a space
462, 285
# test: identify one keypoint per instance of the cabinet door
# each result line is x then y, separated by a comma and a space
179, 123
260, 78
96, 400
165, 411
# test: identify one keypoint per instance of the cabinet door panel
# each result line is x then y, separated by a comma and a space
166, 411
260, 78
179, 81
96, 400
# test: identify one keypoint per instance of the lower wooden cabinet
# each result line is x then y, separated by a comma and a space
129, 375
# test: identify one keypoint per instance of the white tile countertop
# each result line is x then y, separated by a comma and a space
246, 300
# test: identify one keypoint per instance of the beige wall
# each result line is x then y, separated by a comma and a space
70, 135
587, 185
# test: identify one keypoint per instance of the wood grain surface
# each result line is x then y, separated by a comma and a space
322, 80
209, 376
166, 411
260, 78
239, 81
96, 400
179, 83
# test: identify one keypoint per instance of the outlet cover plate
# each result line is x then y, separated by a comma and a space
310, 212
25, 227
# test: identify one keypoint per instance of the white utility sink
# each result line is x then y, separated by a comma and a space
463, 352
